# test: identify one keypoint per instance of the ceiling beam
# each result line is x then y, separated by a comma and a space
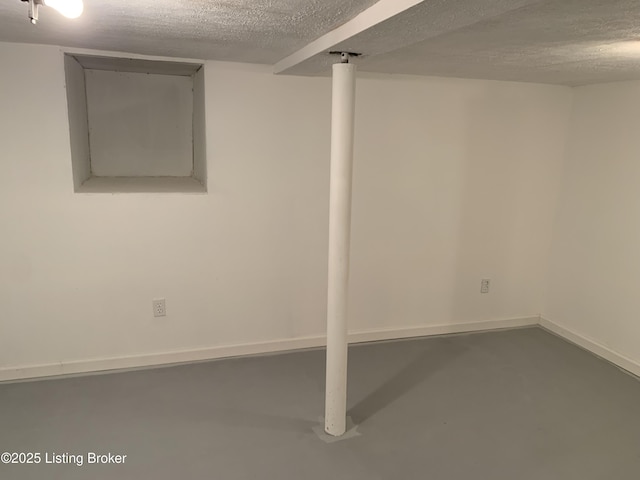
378, 13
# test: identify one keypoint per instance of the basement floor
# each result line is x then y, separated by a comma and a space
518, 404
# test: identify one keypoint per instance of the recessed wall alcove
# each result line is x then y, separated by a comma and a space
136, 125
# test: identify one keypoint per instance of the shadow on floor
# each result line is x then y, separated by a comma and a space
437, 355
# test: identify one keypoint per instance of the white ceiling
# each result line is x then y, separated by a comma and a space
255, 31
569, 42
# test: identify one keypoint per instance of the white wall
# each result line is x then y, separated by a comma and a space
595, 264
454, 180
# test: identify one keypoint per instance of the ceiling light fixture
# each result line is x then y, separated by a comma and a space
68, 8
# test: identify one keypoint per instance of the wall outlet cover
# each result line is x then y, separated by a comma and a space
159, 308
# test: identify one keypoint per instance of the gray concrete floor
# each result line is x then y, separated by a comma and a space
520, 404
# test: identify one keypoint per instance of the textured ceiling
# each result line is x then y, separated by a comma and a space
425, 21
258, 31
567, 42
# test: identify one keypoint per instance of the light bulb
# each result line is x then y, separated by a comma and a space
68, 8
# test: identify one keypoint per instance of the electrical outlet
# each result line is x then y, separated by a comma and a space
484, 285
159, 308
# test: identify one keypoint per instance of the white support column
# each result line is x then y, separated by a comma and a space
342, 126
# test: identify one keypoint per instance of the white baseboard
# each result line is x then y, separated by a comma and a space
592, 346
92, 366
432, 330
188, 356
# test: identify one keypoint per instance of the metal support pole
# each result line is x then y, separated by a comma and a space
342, 126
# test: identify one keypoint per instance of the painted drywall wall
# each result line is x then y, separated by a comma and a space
454, 180
140, 124
594, 268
